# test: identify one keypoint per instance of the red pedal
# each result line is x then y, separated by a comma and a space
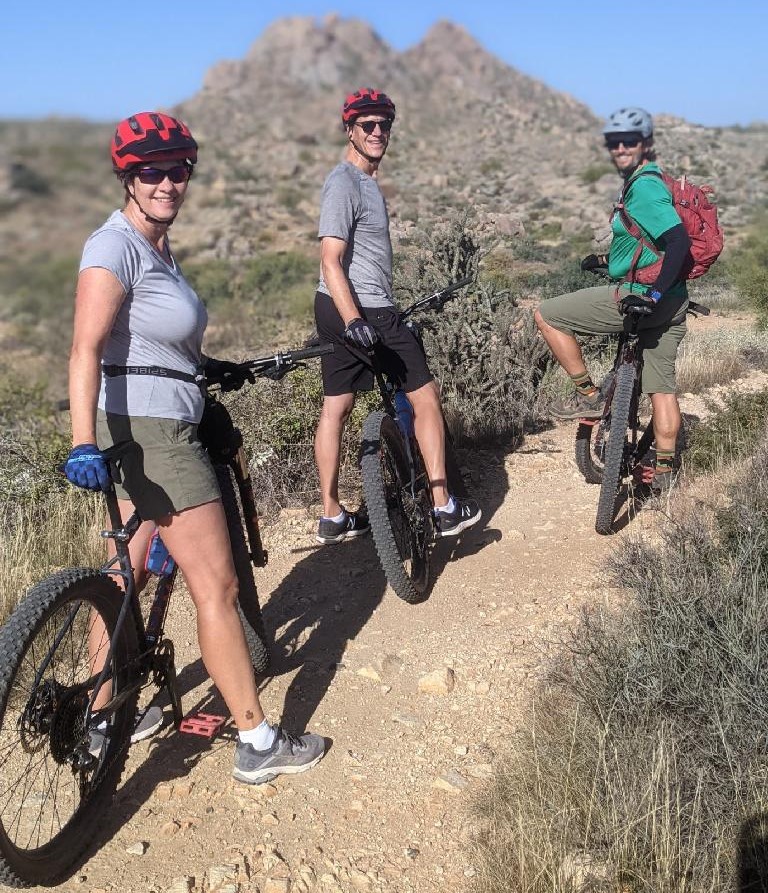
205, 724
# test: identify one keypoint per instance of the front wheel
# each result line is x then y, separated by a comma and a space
400, 515
616, 448
590, 445
57, 775
248, 598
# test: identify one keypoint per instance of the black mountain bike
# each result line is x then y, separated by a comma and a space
78, 634
395, 483
611, 449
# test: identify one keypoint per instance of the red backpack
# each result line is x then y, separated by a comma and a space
697, 214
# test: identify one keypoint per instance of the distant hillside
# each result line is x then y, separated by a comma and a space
471, 132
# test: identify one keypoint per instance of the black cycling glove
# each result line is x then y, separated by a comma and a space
231, 376
361, 334
594, 262
640, 304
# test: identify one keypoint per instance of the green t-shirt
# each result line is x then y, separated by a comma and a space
649, 204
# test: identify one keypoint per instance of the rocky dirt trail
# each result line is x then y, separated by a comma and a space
419, 702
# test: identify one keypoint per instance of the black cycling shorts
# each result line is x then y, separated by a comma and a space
345, 371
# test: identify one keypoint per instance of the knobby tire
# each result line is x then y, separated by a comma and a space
400, 524
49, 810
586, 460
248, 597
615, 449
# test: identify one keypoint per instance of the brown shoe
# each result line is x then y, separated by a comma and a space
579, 406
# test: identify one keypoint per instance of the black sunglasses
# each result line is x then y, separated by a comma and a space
629, 142
370, 126
154, 176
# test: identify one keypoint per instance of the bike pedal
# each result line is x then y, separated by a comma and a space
204, 724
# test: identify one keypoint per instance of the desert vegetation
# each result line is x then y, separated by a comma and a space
641, 766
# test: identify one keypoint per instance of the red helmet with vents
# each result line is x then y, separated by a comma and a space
151, 136
367, 101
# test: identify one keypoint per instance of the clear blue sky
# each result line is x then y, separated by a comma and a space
105, 60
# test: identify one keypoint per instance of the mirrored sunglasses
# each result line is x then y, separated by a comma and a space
369, 126
154, 176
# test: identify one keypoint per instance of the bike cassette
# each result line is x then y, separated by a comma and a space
204, 724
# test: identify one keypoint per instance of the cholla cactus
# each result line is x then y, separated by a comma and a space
483, 348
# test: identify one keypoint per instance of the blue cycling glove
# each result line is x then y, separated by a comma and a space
86, 467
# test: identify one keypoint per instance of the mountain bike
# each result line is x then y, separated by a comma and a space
395, 483
76, 635
612, 448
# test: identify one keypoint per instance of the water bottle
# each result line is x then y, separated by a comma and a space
404, 412
158, 560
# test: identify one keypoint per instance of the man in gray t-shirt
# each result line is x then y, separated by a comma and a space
354, 310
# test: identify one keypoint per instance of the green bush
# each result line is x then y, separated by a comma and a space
731, 432
748, 268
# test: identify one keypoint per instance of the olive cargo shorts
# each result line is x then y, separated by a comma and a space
168, 472
593, 311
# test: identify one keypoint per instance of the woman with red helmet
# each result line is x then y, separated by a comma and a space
134, 376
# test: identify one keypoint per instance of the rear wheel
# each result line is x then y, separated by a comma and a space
400, 519
616, 447
248, 597
57, 777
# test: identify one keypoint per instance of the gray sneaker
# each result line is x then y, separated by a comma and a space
352, 524
578, 406
148, 721
288, 755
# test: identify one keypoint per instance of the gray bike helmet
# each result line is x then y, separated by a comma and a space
629, 120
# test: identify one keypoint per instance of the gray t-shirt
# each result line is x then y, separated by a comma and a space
160, 323
352, 208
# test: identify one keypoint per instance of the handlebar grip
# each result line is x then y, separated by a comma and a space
61, 405
693, 307
308, 353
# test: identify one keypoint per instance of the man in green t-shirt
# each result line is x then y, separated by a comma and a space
599, 311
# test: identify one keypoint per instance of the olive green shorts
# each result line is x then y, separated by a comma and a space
593, 311
166, 471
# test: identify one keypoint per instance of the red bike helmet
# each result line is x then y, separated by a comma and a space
151, 136
367, 101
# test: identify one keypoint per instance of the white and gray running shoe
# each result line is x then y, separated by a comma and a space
288, 755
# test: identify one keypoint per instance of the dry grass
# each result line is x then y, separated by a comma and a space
717, 356
62, 533
644, 766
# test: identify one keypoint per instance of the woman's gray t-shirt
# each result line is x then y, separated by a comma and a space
160, 323
352, 208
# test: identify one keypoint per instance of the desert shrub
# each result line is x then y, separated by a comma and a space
483, 348
594, 172
278, 421
213, 280
32, 444
732, 431
641, 767
748, 268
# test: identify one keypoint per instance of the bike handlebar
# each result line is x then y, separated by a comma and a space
275, 366
435, 301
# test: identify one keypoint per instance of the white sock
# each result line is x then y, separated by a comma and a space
448, 508
339, 518
261, 738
